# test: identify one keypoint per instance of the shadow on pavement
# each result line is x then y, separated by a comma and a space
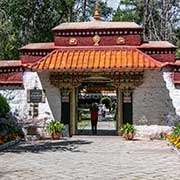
43, 146
100, 132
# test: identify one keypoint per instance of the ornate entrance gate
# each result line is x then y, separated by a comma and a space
124, 82
83, 50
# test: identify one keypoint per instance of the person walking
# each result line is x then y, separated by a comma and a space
94, 117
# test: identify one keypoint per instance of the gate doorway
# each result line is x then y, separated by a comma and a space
103, 94
82, 91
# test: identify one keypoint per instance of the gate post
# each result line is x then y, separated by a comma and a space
120, 109
73, 111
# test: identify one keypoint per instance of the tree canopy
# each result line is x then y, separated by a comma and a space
25, 21
160, 18
28, 21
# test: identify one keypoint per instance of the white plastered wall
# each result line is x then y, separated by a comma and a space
17, 98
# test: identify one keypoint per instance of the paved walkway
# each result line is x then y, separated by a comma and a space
101, 125
90, 158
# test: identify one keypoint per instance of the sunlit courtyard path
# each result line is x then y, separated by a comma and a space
90, 158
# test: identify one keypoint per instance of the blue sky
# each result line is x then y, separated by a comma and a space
113, 3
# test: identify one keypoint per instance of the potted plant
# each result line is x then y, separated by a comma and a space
55, 128
128, 131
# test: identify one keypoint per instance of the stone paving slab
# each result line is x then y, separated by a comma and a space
90, 158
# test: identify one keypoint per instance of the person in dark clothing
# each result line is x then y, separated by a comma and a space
94, 118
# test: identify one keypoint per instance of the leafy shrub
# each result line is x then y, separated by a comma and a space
55, 126
4, 106
9, 126
3, 126
107, 101
176, 131
128, 131
128, 128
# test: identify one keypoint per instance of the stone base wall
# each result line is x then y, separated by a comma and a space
173, 91
152, 131
151, 101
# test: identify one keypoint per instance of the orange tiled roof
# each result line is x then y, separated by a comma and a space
95, 60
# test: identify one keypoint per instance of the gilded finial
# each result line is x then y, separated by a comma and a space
96, 12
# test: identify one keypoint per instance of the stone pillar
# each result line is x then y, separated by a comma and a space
120, 109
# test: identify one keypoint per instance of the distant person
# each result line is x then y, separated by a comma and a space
113, 106
94, 117
103, 112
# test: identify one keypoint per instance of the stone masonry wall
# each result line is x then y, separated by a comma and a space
151, 101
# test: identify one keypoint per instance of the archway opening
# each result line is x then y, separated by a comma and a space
99, 91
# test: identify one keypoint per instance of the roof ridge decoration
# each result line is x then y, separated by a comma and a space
96, 12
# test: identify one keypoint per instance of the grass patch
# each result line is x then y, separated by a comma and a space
83, 124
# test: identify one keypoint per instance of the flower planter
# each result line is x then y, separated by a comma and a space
129, 136
56, 135
10, 143
175, 143
128, 131
55, 128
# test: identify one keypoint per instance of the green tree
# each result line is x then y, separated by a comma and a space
107, 101
8, 36
25, 21
178, 54
4, 106
160, 18
129, 10
84, 10
28, 21
8, 43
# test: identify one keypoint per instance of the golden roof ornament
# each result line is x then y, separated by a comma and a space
96, 12
120, 40
96, 40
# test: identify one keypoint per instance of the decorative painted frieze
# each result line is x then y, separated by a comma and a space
35, 53
163, 51
92, 33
